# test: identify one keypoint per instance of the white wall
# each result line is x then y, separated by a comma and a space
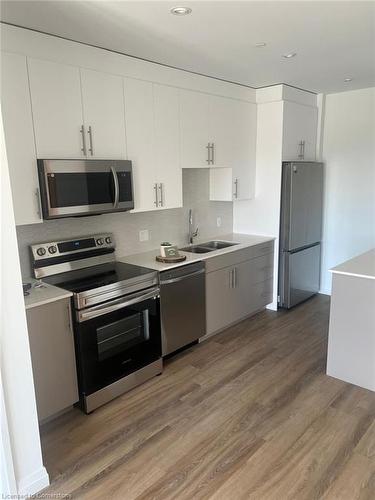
16, 371
349, 157
262, 214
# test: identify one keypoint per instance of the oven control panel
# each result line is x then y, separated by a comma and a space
61, 248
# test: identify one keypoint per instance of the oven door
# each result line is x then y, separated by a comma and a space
117, 338
84, 187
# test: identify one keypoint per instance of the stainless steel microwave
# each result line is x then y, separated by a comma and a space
71, 188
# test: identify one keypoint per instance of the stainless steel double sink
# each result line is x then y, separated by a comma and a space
210, 246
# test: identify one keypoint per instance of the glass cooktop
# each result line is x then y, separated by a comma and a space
97, 276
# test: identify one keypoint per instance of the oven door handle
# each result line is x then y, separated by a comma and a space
117, 189
115, 305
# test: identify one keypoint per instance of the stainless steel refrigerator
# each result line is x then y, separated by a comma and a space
300, 232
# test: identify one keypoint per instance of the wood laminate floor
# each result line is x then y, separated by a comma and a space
249, 414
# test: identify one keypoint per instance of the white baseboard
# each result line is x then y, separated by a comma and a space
33, 483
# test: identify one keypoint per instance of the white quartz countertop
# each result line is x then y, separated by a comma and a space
147, 259
362, 266
43, 294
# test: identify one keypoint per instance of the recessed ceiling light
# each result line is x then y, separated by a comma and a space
290, 55
259, 45
347, 80
181, 11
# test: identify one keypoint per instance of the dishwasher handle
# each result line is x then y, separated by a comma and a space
181, 278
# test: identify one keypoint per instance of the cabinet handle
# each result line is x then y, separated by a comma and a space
233, 278
161, 202
156, 202
301, 150
213, 153
236, 188
39, 204
208, 147
91, 149
83, 148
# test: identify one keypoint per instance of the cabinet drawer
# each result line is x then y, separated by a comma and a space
237, 256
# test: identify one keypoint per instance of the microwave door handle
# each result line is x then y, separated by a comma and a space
117, 189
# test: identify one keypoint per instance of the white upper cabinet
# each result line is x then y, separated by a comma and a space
167, 146
19, 138
152, 130
57, 109
221, 130
233, 123
194, 126
299, 132
139, 116
103, 112
243, 142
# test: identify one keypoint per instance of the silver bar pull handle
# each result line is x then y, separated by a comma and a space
208, 147
235, 277
156, 202
83, 148
161, 201
235, 194
117, 189
39, 204
91, 149
213, 153
301, 154
231, 279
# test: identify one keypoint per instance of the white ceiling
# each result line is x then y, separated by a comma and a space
333, 40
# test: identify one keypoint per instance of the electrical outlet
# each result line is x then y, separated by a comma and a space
144, 235
218, 221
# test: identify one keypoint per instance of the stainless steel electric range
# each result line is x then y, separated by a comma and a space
116, 314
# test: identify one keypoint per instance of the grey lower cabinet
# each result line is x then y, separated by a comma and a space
236, 289
53, 357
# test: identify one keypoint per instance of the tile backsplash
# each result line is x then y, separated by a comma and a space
163, 225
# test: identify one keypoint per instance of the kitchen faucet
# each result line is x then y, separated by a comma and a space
192, 234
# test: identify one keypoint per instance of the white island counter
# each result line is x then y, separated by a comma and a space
351, 341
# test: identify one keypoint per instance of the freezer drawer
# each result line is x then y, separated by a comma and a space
182, 306
299, 276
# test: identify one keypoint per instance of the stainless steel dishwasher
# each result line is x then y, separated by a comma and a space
182, 306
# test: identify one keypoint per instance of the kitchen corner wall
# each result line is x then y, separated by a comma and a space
163, 225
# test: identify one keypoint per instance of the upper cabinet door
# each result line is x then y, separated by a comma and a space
194, 123
299, 132
221, 127
233, 125
103, 111
167, 146
57, 109
139, 117
243, 142
19, 137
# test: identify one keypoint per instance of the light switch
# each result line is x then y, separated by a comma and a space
218, 221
